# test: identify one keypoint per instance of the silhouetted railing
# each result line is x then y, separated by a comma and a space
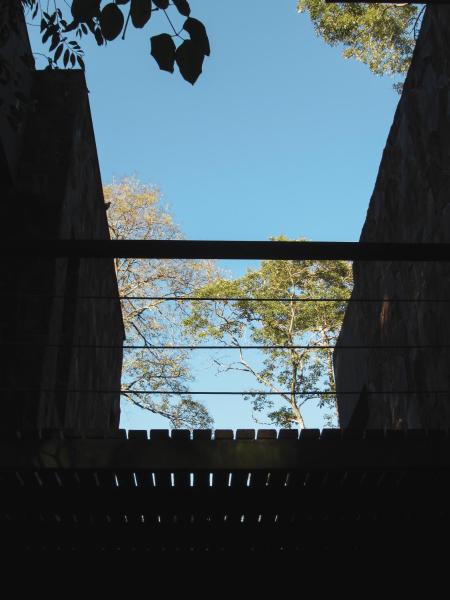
232, 250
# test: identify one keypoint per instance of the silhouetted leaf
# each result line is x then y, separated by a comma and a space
50, 31
50, 18
84, 10
58, 52
80, 62
71, 26
182, 7
122, 1
198, 34
163, 51
72, 59
189, 60
98, 36
161, 3
141, 11
111, 21
66, 57
56, 38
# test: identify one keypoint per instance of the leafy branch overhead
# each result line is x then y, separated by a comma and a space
271, 307
380, 35
153, 322
186, 45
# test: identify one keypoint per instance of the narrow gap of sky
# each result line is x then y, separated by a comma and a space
280, 135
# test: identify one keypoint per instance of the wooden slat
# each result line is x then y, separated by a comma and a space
288, 434
159, 434
309, 434
201, 478
245, 434
259, 478
125, 478
180, 434
277, 478
182, 478
239, 478
142, 477
223, 434
331, 434
202, 434
220, 478
162, 478
266, 434
137, 434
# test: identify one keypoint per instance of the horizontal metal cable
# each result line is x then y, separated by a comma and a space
229, 347
226, 393
221, 298
216, 249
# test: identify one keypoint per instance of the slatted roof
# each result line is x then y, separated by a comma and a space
206, 491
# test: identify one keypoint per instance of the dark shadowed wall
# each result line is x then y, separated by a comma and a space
410, 203
56, 193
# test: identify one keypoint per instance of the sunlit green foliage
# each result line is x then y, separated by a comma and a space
380, 35
294, 371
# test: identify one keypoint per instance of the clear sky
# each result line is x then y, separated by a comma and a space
280, 135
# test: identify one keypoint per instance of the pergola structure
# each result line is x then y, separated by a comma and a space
207, 491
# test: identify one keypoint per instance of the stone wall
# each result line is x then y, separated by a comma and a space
410, 203
56, 193
16, 79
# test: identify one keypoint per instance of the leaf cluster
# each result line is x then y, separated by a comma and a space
380, 35
135, 211
285, 318
107, 21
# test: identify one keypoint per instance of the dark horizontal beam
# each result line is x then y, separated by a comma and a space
234, 250
213, 455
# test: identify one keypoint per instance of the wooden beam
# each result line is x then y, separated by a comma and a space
234, 250
423, 452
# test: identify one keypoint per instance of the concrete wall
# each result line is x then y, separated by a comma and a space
56, 193
410, 203
16, 80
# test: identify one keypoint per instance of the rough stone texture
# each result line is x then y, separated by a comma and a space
56, 193
16, 79
410, 203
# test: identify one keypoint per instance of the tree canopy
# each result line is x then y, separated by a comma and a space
135, 211
271, 308
380, 35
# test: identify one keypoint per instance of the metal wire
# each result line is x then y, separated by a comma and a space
225, 299
228, 393
229, 347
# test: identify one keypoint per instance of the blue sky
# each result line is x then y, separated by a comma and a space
280, 135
